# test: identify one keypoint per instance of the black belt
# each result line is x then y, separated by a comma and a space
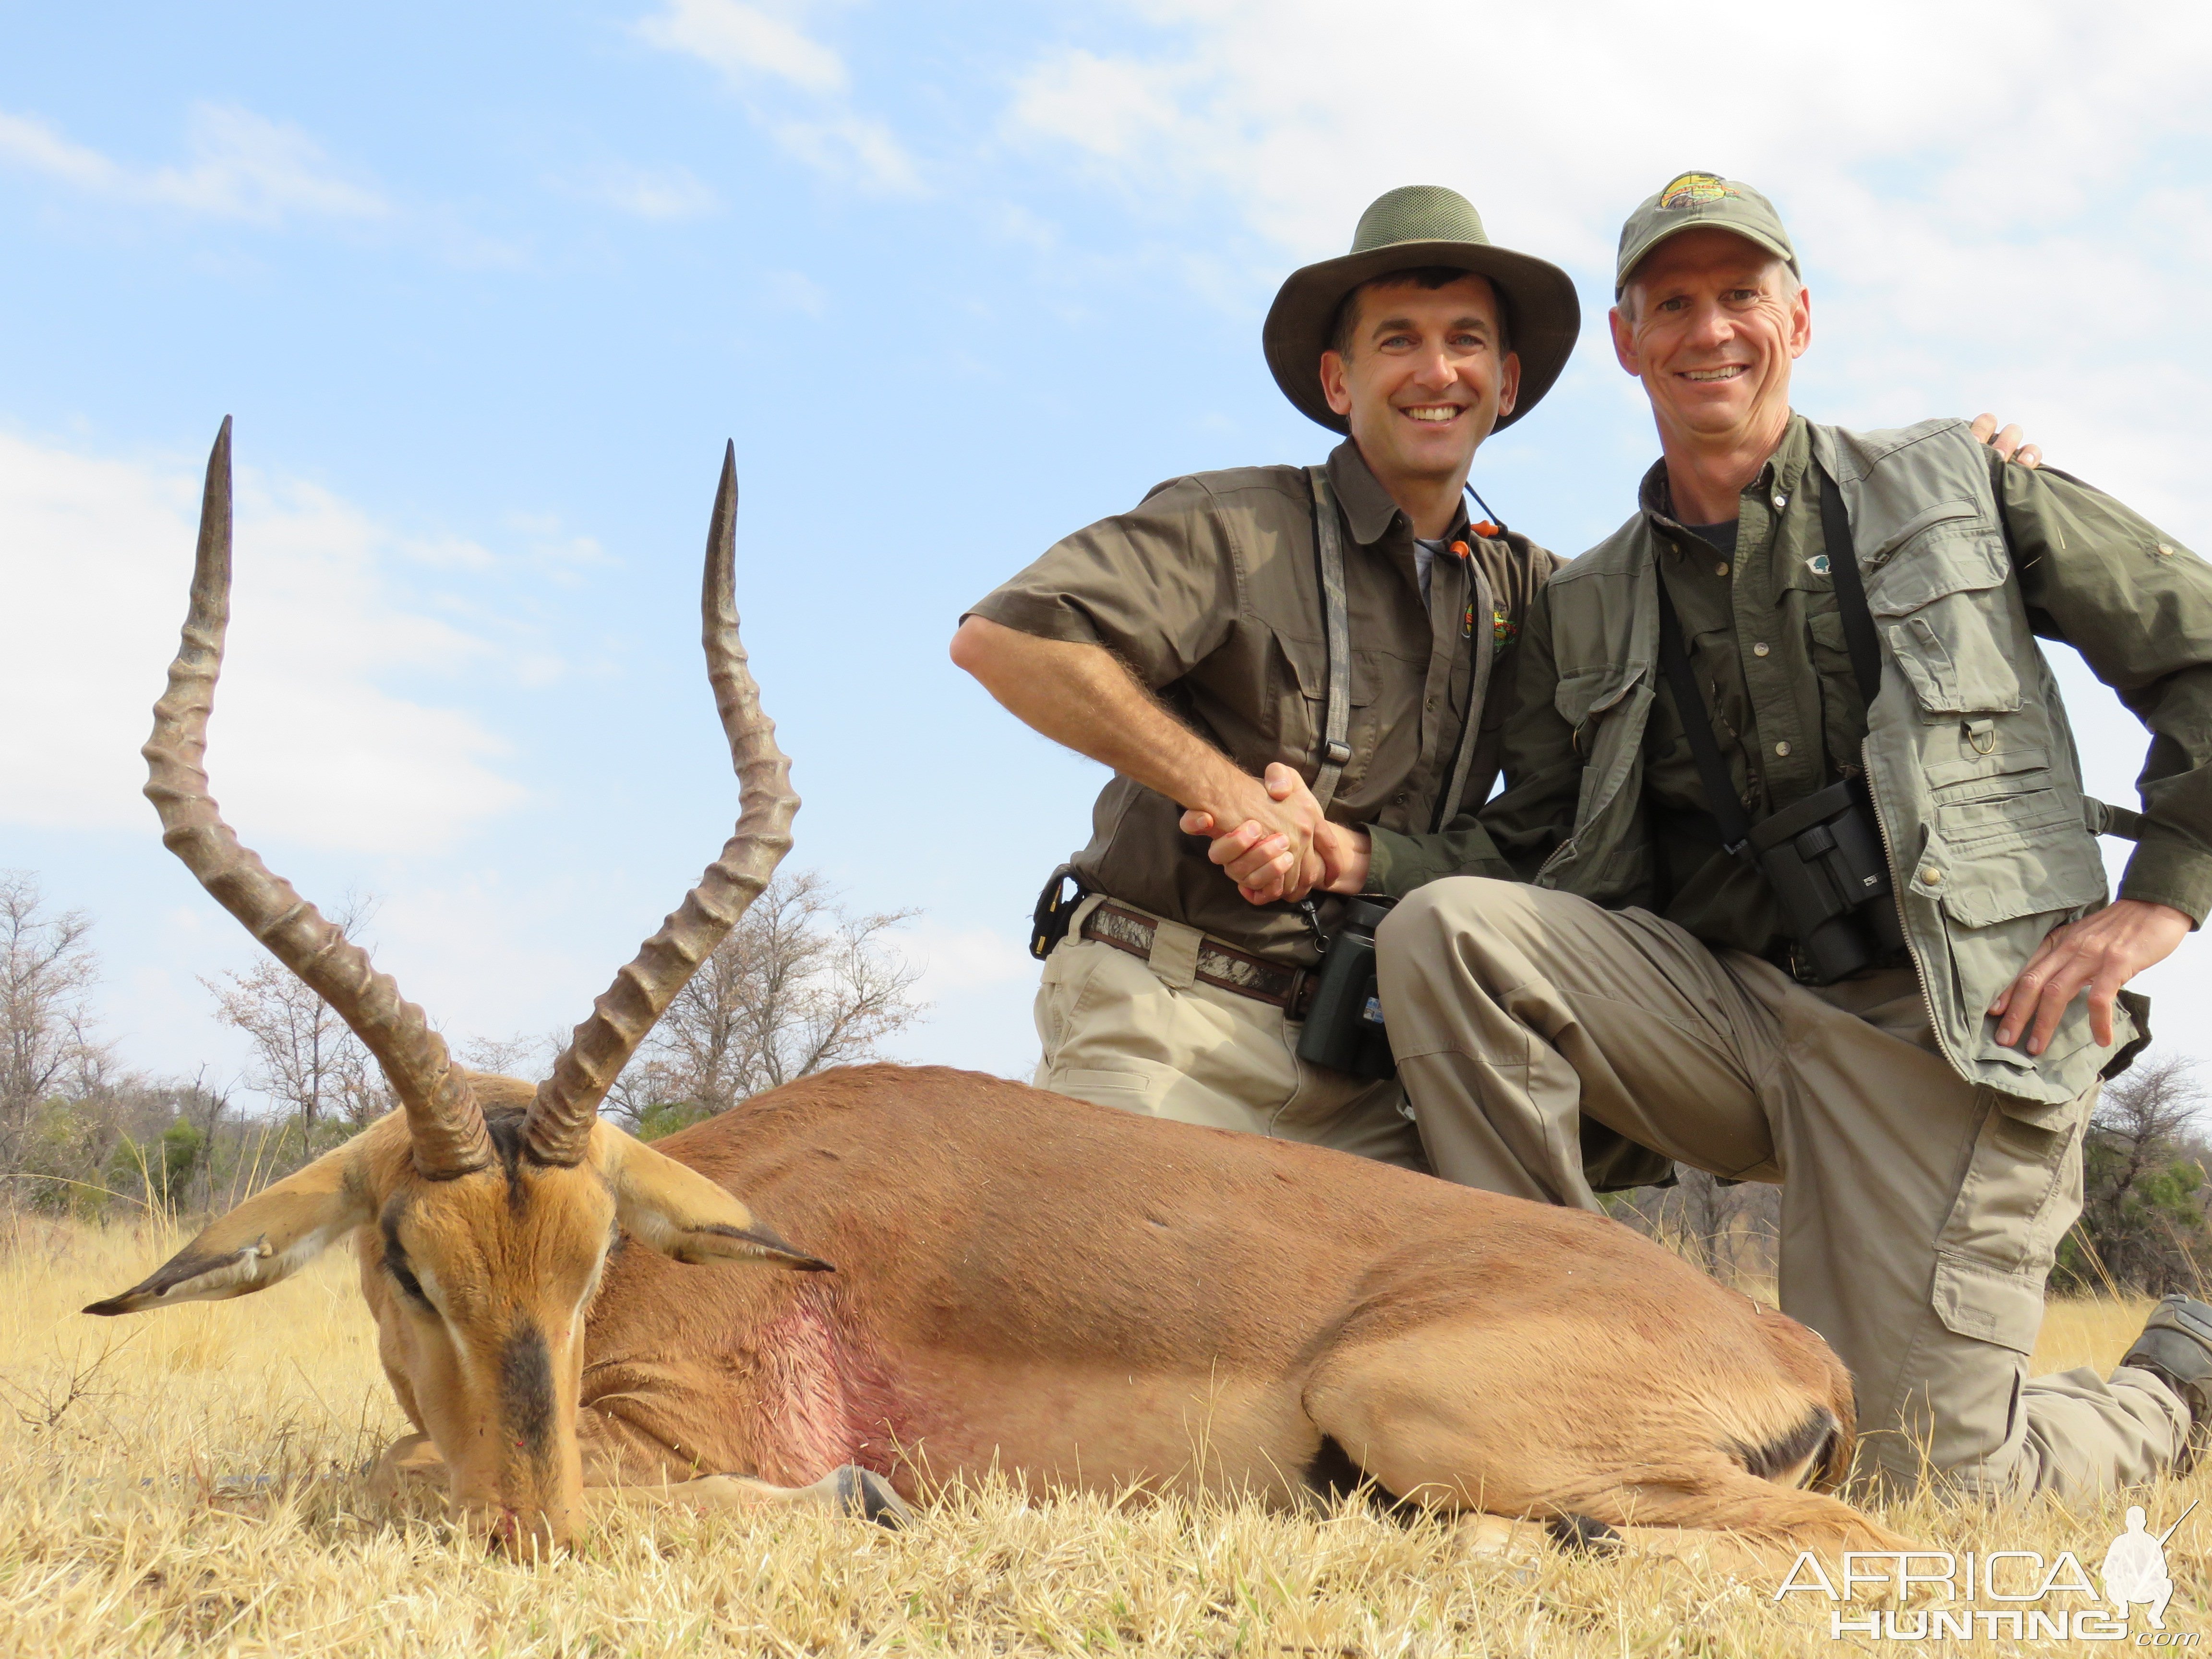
1222, 966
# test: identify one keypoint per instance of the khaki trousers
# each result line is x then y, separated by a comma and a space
1919, 1216
1147, 1036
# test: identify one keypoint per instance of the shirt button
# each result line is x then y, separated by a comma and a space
1781, 500
1720, 570
1933, 876
1760, 649
1398, 801
2164, 551
1782, 747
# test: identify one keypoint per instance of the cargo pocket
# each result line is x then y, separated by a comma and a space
1989, 1307
1931, 604
2024, 865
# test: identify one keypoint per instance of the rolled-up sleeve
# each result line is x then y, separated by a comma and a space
1157, 586
2137, 605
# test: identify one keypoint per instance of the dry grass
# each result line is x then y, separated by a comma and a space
186, 1482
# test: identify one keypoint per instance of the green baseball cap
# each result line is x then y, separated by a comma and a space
1406, 229
1690, 201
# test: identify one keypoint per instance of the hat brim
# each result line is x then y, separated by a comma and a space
1545, 316
1694, 221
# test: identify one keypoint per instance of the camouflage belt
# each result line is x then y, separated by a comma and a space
1220, 965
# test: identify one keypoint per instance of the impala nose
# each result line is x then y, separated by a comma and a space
523, 1533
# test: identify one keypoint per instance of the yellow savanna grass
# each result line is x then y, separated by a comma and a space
187, 1482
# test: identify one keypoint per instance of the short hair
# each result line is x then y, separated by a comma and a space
1428, 276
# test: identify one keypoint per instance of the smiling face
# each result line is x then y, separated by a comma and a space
1711, 324
1424, 378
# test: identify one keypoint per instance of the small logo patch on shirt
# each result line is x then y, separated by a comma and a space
1818, 564
1504, 630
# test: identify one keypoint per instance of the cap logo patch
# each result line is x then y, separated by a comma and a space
1695, 190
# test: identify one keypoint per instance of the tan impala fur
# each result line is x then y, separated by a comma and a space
933, 1274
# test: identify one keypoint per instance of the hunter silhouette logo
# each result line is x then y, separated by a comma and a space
2135, 1567
2000, 1593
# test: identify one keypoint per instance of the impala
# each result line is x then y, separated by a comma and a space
860, 1288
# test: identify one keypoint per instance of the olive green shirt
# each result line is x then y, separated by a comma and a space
1209, 591
1767, 644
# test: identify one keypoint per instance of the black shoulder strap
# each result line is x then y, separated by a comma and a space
1859, 637
1336, 633
1720, 798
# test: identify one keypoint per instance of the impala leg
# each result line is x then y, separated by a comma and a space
1449, 1420
850, 1491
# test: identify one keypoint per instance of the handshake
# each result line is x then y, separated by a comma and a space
1271, 839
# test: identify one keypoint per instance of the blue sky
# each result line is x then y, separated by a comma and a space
486, 289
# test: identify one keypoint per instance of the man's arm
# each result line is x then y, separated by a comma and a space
1084, 697
1508, 838
2138, 607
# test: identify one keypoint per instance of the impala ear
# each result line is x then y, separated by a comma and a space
680, 1212
270, 1237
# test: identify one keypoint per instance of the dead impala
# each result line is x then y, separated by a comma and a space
1080, 1297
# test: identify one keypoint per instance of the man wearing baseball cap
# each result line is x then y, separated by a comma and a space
1798, 882
1240, 636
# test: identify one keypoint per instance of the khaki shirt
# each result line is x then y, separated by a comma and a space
1209, 592
1767, 644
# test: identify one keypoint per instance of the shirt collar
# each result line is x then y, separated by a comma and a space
1367, 506
1784, 468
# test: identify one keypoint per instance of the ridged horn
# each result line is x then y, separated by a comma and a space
442, 1115
567, 1102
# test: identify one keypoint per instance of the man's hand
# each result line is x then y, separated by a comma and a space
1263, 864
2007, 443
2100, 953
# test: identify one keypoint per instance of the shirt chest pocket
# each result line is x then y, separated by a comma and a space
1298, 701
1584, 696
1937, 594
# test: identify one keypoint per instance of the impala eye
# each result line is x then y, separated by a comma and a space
403, 1274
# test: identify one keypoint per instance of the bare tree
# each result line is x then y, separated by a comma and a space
306, 1058
2144, 1224
520, 1056
799, 984
47, 969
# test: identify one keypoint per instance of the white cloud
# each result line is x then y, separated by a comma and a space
652, 193
306, 744
239, 166
746, 42
1989, 207
796, 89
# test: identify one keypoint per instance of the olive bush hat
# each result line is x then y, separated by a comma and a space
1410, 226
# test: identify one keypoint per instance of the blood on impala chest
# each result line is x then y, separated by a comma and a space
822, 1397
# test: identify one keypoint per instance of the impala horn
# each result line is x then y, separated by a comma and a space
443, 1118
567, 1103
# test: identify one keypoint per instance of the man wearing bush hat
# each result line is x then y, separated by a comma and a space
1797, 881
1189, 644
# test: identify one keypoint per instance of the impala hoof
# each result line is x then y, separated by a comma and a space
866, 1494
